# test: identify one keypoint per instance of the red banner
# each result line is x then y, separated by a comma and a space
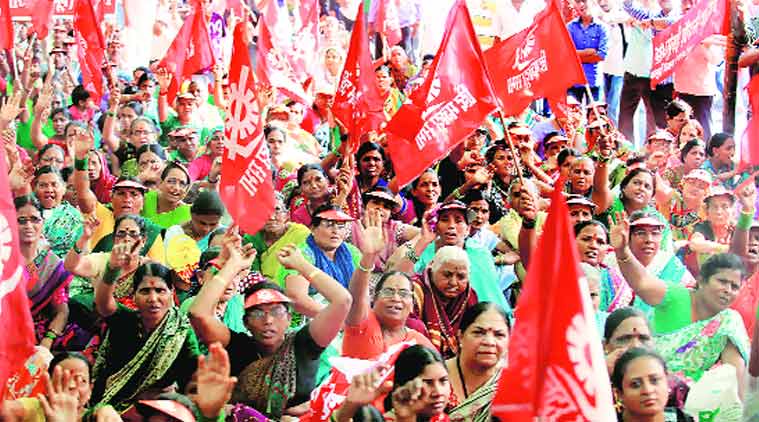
358, 103
388, 22
541, 61
91, 51
273, 67
749, 146
6, 26
24, 9
454, 101
672, 45
246, 185
557, 371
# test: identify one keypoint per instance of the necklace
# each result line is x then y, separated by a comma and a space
461, 376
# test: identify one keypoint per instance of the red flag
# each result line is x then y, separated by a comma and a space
17, 344
541, 61
91, 51
190, 52
41, 14
750, 143
454, 100
6, 26
672, 46
294, 37
556, 370
273, 68
358, 104
388, 22
246, 185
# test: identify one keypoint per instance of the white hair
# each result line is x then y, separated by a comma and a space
449, 253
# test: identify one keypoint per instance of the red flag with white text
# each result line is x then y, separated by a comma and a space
189, 53
17, 342
6, 25
358, 104
246, 185
749, 147
388, 21
91, 51
454, 100
273, 68
540, 61
556, 370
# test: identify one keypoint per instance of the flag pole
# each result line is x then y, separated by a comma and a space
594, 106
517, 161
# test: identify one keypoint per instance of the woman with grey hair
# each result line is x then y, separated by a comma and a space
442, 293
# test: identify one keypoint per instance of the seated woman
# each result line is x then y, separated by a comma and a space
592, 244
695, 328
147, 349
326, 249
100, 176
420, 392
714, 234
315, 191
277, 232
371, 331
442, 293
640, 370
44, 275
484, 341
205, 213
276, 369
151, 160
164, 207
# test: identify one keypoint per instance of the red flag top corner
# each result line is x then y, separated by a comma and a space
538, 62
556, 370
246, 185
91, 51
358, 104
454, 101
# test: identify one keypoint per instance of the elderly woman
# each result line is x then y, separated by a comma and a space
146, 349
276, 233
451, 228
393, 97
165, 207
371, 331
474, 372
692, 157
441, 295
714, 234
275, 368
142, 131
45, 278
695, 327
592, 241
52, 155
100, 176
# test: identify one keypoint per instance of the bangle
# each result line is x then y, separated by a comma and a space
528, 223
213, 182
457, 193
110, 275
313, 274
625, 259
744, 221
110, 113
411, 254
81, 164
361, 268
50, 334
163, 93
76, 249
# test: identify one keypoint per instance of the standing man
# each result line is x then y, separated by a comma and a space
590, 39
613, 66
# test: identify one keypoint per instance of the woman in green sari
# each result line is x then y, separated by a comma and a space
474, 372
145, 350
164, 207
695, 328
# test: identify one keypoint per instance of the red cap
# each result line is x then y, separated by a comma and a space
334, 215
129, 184
265, 296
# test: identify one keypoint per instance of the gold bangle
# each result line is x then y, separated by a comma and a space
313, 274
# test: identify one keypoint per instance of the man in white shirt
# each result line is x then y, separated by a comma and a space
613, 66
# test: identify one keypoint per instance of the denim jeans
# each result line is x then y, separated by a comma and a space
613, 91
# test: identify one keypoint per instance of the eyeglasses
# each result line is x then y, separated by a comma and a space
276, 312
329, 224
176, 182
124, 233
389, 292
52, 160
23, 220
142, 132
657, 232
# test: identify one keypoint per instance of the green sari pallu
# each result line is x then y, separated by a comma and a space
476, 407
694, 349
148, 366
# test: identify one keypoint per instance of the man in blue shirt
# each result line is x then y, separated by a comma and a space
590, 38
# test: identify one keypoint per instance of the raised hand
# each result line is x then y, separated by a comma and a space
107, 414
365, 388
483, 176
91, 224
406, 403
124, 255
372, 233
428, 234
619, 234
21, 175
82, 144
164, 79
45, 98
214, 383
528, 207
291, 258
747, 195
11, 108
60, 402
241, 258
114, 98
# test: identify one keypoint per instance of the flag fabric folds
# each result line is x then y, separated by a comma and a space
557, 370
750, 143
91, 51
